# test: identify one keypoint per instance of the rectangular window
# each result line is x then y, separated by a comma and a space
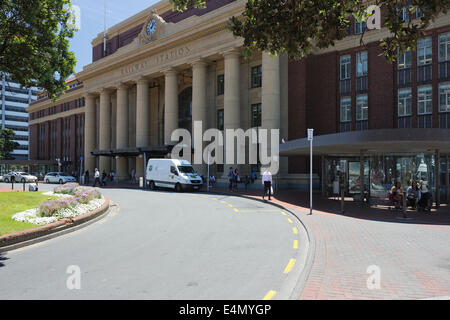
346, 70
404, 102
419, 13
346, 110
403, 13
220, 119
220, 85
362, 108
444, 97
444, 47
257, 77
424, 51
256, 116
360, 27
361, 64
404, 60
425, 100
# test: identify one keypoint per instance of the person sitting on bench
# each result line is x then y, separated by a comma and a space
413, 195
397, 195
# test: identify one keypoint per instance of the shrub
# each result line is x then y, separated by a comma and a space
68, 188
81, 195
49, 208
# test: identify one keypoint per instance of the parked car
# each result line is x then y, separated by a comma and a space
19, 177
59, 177
173, 174
1, 178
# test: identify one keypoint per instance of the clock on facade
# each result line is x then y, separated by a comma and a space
151, 27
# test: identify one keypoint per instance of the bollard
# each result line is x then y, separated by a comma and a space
24, 186
342, 200
12, 184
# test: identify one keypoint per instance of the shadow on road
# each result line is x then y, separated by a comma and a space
2, 258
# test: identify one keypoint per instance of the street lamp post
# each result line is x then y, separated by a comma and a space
310, 139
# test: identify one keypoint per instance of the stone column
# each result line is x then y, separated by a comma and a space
89, 133
232, 101
105, 129
271, 95
122, 130
199, 71
142, 121
171, 105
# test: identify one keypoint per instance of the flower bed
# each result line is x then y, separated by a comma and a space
78, 201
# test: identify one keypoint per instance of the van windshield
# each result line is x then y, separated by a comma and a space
186, 169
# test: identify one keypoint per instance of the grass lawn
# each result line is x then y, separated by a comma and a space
15, 202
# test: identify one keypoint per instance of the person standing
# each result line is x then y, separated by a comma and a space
97, 178
86, 177
267, 183
104, 178
230, 179
133, 176
236, 180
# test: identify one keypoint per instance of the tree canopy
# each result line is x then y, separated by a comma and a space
296, 27
7, 145
34, 43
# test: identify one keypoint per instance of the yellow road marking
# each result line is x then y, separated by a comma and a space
270, 295
215, 199
224, 202
284, 213
295, 230
290, 266
230, 205
290, 221
295, 244
236, 210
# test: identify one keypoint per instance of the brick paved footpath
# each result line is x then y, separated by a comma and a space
413, 255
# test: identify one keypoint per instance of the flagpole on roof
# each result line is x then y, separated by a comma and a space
104, 32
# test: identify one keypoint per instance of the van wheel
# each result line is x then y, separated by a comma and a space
61, 181
23, 180
6, 180
178, 187
152, 185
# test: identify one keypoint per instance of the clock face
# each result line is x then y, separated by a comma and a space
151, 27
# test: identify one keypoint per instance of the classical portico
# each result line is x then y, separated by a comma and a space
135, 101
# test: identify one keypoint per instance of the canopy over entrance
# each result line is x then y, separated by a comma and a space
152, 151
372, 141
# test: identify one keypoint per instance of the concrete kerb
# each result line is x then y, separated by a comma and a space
29, 237
295, 284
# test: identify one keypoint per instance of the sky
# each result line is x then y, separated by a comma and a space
92, 23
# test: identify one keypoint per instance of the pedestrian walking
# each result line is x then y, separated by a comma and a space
267, 183
97, 178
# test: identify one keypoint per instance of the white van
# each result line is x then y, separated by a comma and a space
173, 174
